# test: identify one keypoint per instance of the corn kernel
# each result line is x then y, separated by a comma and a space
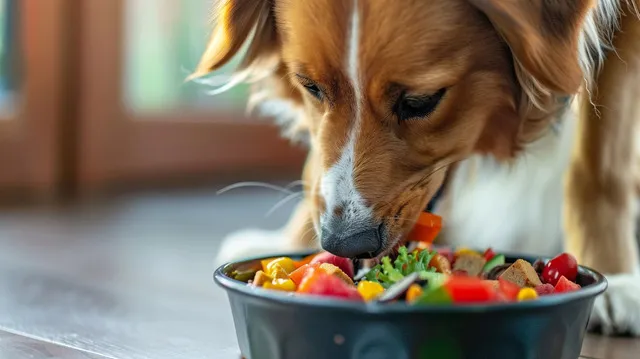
369, 290
286, 285
286, 263
414, 292
527, 294
465, 250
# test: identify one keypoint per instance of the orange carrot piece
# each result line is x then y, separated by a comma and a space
426, 228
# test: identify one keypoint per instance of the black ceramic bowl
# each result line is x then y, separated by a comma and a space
277, 325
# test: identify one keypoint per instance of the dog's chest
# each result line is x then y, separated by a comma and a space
515, 207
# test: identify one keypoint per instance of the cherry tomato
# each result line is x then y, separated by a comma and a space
563, 265
564, 285
488, 254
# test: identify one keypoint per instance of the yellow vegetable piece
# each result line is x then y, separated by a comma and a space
265, 263
285, 285
465, 250
414, 292
527, 294
276, 271
285, 262
369, 290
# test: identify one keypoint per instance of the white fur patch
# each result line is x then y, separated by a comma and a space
515, 207
617, 311
338, 183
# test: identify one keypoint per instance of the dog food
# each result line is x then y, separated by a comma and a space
419, 277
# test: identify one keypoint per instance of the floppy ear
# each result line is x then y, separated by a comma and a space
236, 21
543, 36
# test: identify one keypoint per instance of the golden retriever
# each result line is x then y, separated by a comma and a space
497, 100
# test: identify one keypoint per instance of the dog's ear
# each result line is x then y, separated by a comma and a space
543, 36
235, 22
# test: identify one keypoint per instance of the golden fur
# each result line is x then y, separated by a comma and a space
507, 67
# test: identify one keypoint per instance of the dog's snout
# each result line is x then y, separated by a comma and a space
362, 244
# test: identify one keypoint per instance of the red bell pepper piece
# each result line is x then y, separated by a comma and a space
318, 282
488, 254
426, 228
470, 290
564, 285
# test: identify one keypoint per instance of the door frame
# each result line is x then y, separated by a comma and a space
29, 130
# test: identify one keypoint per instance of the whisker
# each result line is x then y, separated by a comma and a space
254, 184
281, 202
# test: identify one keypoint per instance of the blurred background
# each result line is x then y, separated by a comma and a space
109, 170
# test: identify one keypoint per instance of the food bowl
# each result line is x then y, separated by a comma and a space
276, 325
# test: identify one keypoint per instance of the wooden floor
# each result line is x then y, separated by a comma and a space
132, 278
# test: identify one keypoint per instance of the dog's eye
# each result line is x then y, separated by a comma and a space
409, 107
314, 90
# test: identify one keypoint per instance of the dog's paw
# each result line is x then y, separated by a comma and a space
617, 311
249, 243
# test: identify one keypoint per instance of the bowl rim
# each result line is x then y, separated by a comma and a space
371, 308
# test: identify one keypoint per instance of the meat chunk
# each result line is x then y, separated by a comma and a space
440, 263
522, 273
334, 270
470, 262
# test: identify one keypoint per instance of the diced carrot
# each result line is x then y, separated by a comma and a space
305, 260
426, 228
297, 275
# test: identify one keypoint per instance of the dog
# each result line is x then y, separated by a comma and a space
523, 113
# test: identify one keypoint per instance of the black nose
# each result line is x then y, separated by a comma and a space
365, 244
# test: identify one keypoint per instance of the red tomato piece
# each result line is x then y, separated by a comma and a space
317, 282
565, 285
470, 290
545, 289
343, 263
563, 265
488, 254
426, 228
508, 289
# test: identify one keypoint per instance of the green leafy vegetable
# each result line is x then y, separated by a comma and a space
406, 263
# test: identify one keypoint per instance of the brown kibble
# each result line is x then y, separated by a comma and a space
522, 273
260, 278
472, 263
440, 263
333, 270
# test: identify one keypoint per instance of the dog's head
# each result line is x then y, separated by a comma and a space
391, 93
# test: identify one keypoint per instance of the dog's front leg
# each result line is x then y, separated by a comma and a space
600, 187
